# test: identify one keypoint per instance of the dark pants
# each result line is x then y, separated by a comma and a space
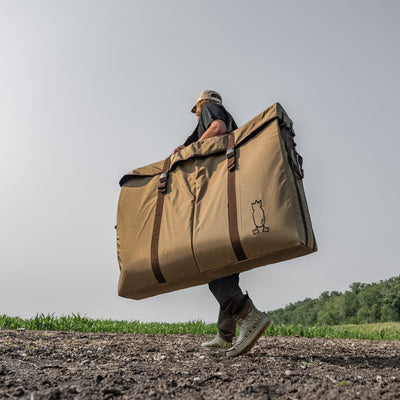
231, 300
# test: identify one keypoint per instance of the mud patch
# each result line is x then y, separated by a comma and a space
39, 365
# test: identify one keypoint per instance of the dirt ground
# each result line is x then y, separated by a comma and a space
39, 365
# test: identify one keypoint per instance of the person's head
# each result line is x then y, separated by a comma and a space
206, 96
199, 105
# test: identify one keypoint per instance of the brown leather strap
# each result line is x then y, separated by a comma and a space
155, 264
232, 208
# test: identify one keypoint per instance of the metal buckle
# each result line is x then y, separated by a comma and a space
164, 177
230, 152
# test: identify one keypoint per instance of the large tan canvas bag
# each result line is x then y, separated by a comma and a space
224, 205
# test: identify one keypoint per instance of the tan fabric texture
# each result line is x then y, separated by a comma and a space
194, 244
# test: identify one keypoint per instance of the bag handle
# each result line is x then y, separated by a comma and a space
155, 238
232, 207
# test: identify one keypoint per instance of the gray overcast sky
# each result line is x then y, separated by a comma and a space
90, 90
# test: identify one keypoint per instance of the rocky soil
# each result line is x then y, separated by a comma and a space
39, 365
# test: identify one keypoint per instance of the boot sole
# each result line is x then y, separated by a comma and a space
247, 345
215, 348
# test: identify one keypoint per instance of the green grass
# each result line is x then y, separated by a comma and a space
78, 323
383, 331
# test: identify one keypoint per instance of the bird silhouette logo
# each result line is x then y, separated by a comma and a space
259, 217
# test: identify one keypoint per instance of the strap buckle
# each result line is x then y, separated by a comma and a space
162, 185
163, 176
230, 152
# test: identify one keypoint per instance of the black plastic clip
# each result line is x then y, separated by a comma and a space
164, 177
230, 152
162, 185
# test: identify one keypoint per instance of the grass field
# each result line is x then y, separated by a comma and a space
78, 323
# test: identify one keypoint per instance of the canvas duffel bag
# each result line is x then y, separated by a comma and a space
220, 206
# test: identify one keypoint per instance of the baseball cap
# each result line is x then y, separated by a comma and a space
208, 95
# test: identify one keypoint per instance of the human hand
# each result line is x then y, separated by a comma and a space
179, 148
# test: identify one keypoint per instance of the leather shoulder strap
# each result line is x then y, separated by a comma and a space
232, 207
155, 264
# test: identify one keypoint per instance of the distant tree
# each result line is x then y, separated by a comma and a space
333, 311
362, 303
356, 287
351, 305
324, 296
391, 301
370, 300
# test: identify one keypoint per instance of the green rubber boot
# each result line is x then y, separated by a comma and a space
217, 344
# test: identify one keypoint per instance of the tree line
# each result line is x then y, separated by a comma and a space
363, 303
